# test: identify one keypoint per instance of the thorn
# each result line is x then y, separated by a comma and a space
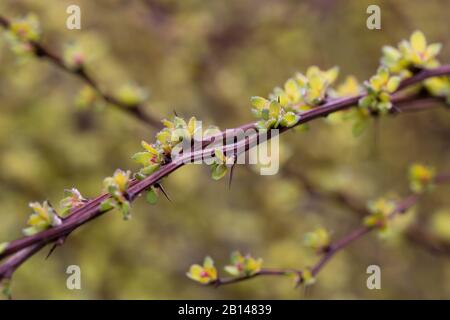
50, 204
53, 208
160, 187
231, 173
58, 243
51, 251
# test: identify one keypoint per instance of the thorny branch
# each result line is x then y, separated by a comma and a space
21, 249
18, 251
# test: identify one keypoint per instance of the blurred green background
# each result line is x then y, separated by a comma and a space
206, 58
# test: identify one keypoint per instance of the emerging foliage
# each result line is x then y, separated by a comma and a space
73, 199
379, 87
318, 239
421, 178
283, 108
204, 274
117, 186
413, 53
131, 95
42, 218
243, 265
380, 210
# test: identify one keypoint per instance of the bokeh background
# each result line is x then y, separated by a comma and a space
206, 58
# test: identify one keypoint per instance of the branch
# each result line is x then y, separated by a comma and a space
331, 250
415, 233
40, 51
91, 209
419, 104
430, 242
401, 207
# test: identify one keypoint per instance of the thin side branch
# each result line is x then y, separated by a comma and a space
402, 206
42, 52
415, 233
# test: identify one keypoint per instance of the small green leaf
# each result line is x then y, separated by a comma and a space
30, 231
384, 97
233, 270
112, 189
179, 123
418, 41
291, 87
307, 277
142, 158
261, 125
392, 84
383, 107
106, 205
65, 212
391, 53
3, 246
218, 171
366, 101
148, 170
235, 257
271, 123
265, 114
6, 291
125, 208
218, 153
289, 119
208, 262
256, 113
332, 74
434, 49
274, 109
152, 196
139, 176
258, 102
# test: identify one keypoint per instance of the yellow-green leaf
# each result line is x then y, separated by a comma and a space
392, 84
3, 246
218, 171
151, 196
258, 102
418, 41
142, 158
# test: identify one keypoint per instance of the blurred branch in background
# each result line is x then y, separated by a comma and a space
326, 248
416, 233
42, 52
